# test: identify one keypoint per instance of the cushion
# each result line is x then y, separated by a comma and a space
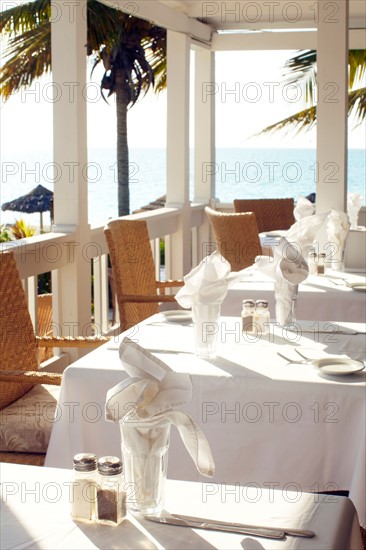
26, 424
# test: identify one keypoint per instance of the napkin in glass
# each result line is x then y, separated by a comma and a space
303, 208
287, 269
148, 398
354, 203
207, 283
338, 227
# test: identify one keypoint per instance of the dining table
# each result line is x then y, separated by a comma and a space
333, 295
36, 505
269, 422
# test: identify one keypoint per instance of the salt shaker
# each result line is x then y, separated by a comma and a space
313, 265
321, 264
247, 315
261, 317
83, 486
111, 498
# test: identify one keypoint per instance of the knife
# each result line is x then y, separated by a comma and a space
288, 531
197, 523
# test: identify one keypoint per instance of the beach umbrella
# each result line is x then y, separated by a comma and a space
40, 199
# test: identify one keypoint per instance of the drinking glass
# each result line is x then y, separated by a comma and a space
145, 448
206, 328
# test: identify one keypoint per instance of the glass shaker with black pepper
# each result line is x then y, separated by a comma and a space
247, 316
111, 498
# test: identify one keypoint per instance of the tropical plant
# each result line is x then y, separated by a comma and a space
4, 234
21, 230
301, 68
133, 52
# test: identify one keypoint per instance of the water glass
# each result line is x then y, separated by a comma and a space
206, 329
145, 448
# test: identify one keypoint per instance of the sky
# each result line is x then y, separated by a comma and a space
249, 95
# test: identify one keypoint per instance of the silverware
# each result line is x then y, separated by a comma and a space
303, 361
217, 526
330, 332
242, 528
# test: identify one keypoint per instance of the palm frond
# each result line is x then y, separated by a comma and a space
25, 17
305, 120
29, 57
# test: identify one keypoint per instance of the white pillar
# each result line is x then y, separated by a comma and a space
178, 78
332, 109
204, 143
73, 283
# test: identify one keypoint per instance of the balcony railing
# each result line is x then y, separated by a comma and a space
53, 252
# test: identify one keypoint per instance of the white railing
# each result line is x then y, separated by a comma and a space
50, 252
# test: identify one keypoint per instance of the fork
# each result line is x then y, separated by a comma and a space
303, 361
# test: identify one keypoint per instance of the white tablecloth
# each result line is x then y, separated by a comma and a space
320, 297
268, 423
35, 513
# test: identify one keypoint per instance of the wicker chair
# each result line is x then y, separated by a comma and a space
271, 214
138, 292
44, 323
28, 396
236, 237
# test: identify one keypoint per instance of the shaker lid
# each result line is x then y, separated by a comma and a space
85, 462
109, 465
249, 303
261, 303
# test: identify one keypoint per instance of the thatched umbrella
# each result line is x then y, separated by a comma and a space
40, 199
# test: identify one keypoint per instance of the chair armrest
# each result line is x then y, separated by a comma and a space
69, 342
31, 377
146, 298
167, 284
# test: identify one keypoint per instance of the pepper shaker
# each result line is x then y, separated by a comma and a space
321, 264
247, 316
111, 498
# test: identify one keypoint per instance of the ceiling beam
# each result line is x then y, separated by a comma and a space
161, 15
279, 41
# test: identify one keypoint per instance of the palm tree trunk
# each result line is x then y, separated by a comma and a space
122, 97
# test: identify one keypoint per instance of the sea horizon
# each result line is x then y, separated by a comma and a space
247, 172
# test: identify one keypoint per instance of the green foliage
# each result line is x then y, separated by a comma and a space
302, 69
4, 234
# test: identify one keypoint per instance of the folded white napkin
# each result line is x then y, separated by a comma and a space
338, 226
302, 233
150, 395
288, 267
207, 283
354, 203
303, 208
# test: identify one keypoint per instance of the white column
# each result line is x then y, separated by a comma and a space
73, 283
204, 143
178, 78
332, 58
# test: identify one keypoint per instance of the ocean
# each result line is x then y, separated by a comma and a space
240, 173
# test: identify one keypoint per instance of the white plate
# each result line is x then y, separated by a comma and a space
276, 233
338, 365
358, 286
177, 316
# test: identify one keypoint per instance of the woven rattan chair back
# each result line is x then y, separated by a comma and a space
236, 237
18, 350
271, 214
133, 268
44, 323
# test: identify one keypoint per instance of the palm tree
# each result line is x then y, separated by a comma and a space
133, 52
301, 68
